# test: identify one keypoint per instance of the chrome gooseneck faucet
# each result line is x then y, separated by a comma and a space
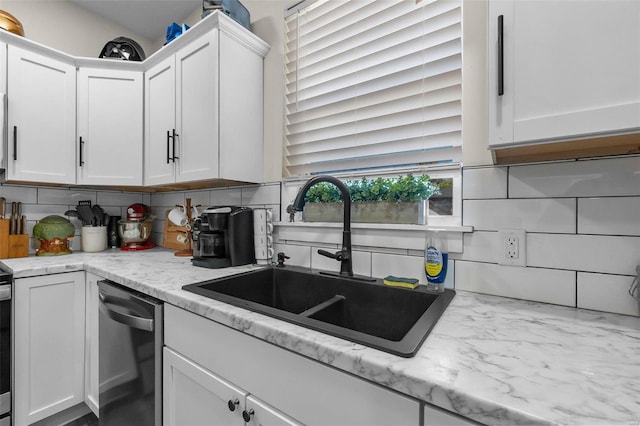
344, 255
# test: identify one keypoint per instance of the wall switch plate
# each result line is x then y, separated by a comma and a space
513, 247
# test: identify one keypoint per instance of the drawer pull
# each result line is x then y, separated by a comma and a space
232, 404
246, 415
500, 55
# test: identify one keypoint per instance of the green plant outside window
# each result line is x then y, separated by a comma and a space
401, 189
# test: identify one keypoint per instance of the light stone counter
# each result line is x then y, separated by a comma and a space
491, 359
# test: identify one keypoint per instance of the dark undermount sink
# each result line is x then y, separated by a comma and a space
394, 320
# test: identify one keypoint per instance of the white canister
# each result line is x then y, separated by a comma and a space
94, 238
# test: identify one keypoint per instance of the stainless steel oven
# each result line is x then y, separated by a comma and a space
5, 348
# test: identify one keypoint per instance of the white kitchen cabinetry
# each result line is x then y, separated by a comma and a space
109, 127
193, 395
41, 117
568, 70
49, 345
438, 417
204, 109
305, 390
91, 372
3, 105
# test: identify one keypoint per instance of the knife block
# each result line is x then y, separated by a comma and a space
12, 246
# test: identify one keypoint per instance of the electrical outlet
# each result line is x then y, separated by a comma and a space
513, 244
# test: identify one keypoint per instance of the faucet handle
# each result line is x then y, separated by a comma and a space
339, 255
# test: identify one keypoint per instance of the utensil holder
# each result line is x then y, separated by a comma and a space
94, 238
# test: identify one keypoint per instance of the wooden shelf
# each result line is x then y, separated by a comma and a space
593, 147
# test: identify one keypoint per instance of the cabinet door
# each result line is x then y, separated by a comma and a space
576, 76
241, 112
194, 396
159, 125
91, 372
197, 109
41, 118
3, 106
262, 414
109, 127
49, 345
437, 417
306, 390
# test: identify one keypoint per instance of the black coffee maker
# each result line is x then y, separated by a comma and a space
223, 236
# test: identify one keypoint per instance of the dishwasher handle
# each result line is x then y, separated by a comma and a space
133, 321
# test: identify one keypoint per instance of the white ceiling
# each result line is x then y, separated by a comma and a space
148, 18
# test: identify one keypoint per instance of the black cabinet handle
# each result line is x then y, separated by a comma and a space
246, 415
500, 55
81, 152
15, 143
168, 155
173, 137
232, 404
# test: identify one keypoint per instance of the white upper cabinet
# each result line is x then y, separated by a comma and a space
41, 122
109, 127
181, 120
192, 112
562, 70
197, 109
204, 109
159, 122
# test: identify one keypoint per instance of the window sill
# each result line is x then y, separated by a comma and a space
375, 235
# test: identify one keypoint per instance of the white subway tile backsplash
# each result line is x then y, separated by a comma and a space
298, 255
481, 246
113, 210
263, 194
609, 216
534, 215
24, 194
406, 266
39, 211
609, 293
65, 196
397, 265
118, 198
541, 285
486, 182
586, 253
225, 197
202, 198
361, 262
590, 178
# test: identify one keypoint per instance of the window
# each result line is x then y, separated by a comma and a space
373, 87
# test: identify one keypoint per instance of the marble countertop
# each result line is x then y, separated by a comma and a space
491, 359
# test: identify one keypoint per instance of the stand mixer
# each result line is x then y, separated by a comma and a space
135, 231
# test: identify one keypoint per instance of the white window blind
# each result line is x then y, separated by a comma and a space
373, 84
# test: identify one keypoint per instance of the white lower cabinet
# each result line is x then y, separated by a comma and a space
91, 343
49, 345
274, 380
193, 395
437, 417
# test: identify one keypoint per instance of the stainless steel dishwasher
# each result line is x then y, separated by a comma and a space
130, 357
